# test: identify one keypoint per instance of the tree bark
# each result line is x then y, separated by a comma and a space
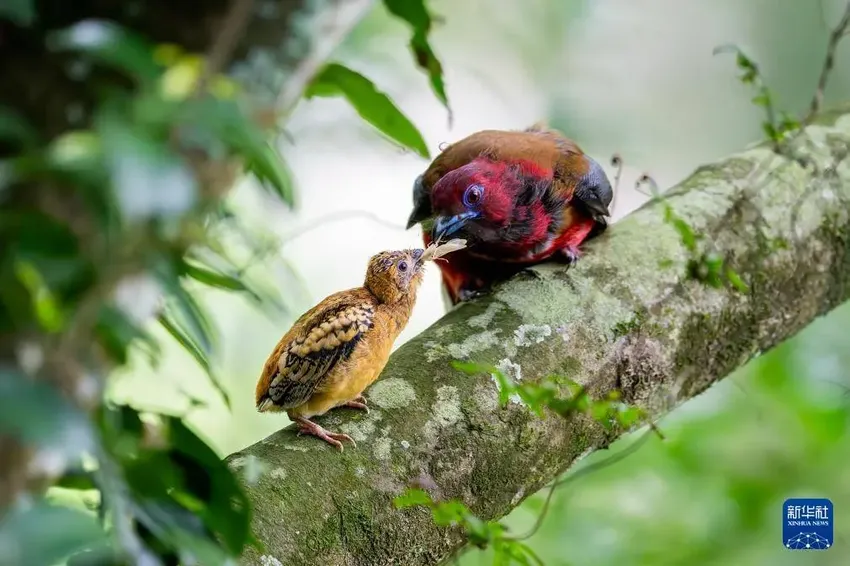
627, 316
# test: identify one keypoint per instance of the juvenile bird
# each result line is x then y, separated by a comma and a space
518, 197
337, 349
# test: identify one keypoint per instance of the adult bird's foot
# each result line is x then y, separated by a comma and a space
468, 294
358, 402
306, 426
571, 254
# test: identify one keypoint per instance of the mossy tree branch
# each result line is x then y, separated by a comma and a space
628, 316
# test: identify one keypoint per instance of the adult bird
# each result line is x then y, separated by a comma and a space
518, 198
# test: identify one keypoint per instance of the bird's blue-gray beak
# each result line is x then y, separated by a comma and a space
417, 256
448, 225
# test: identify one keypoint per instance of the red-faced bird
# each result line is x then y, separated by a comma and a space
518, 198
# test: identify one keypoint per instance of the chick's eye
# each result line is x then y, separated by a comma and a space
402, 266
472, 195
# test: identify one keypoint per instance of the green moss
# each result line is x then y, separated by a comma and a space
623, 328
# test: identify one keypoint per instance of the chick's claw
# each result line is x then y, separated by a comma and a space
306, 426
358, 402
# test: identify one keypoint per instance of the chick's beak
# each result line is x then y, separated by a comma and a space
418, 256
448, 225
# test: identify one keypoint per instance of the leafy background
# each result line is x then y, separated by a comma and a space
633, 77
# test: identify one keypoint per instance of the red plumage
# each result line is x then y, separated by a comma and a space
518, 197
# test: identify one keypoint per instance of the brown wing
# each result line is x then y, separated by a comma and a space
318, 342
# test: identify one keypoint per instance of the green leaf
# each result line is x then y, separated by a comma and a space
477, 530
109, 44
121, 430
736, 280
227, 510
415, 13
225, 122
35, 413
45, 534
411, 498
181, 307
272, 171
472, 368
183, 532
116, 333
47, 309
449, 513
76, 479
212, 268
762, 99
629, 415
22, 13
686, 233
203, 550
373, 106
14, 128
183, 337
213, 278
148, 178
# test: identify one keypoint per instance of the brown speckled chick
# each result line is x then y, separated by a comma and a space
339, 347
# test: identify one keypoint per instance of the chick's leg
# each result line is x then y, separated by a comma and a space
358, 402
306, 426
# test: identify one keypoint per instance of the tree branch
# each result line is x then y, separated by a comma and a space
627, 316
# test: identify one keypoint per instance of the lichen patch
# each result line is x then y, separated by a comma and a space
382, 448
446, 409
392, 393
484, 319
363, 429
443, 330
530, 334
463, 350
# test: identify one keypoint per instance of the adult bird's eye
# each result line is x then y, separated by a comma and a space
402, 266
472, 195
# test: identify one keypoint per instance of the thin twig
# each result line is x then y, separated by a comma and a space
232, 29
582, 472
829, 63
336, 217
616, 161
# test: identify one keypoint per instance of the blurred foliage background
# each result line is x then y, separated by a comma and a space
635, 77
